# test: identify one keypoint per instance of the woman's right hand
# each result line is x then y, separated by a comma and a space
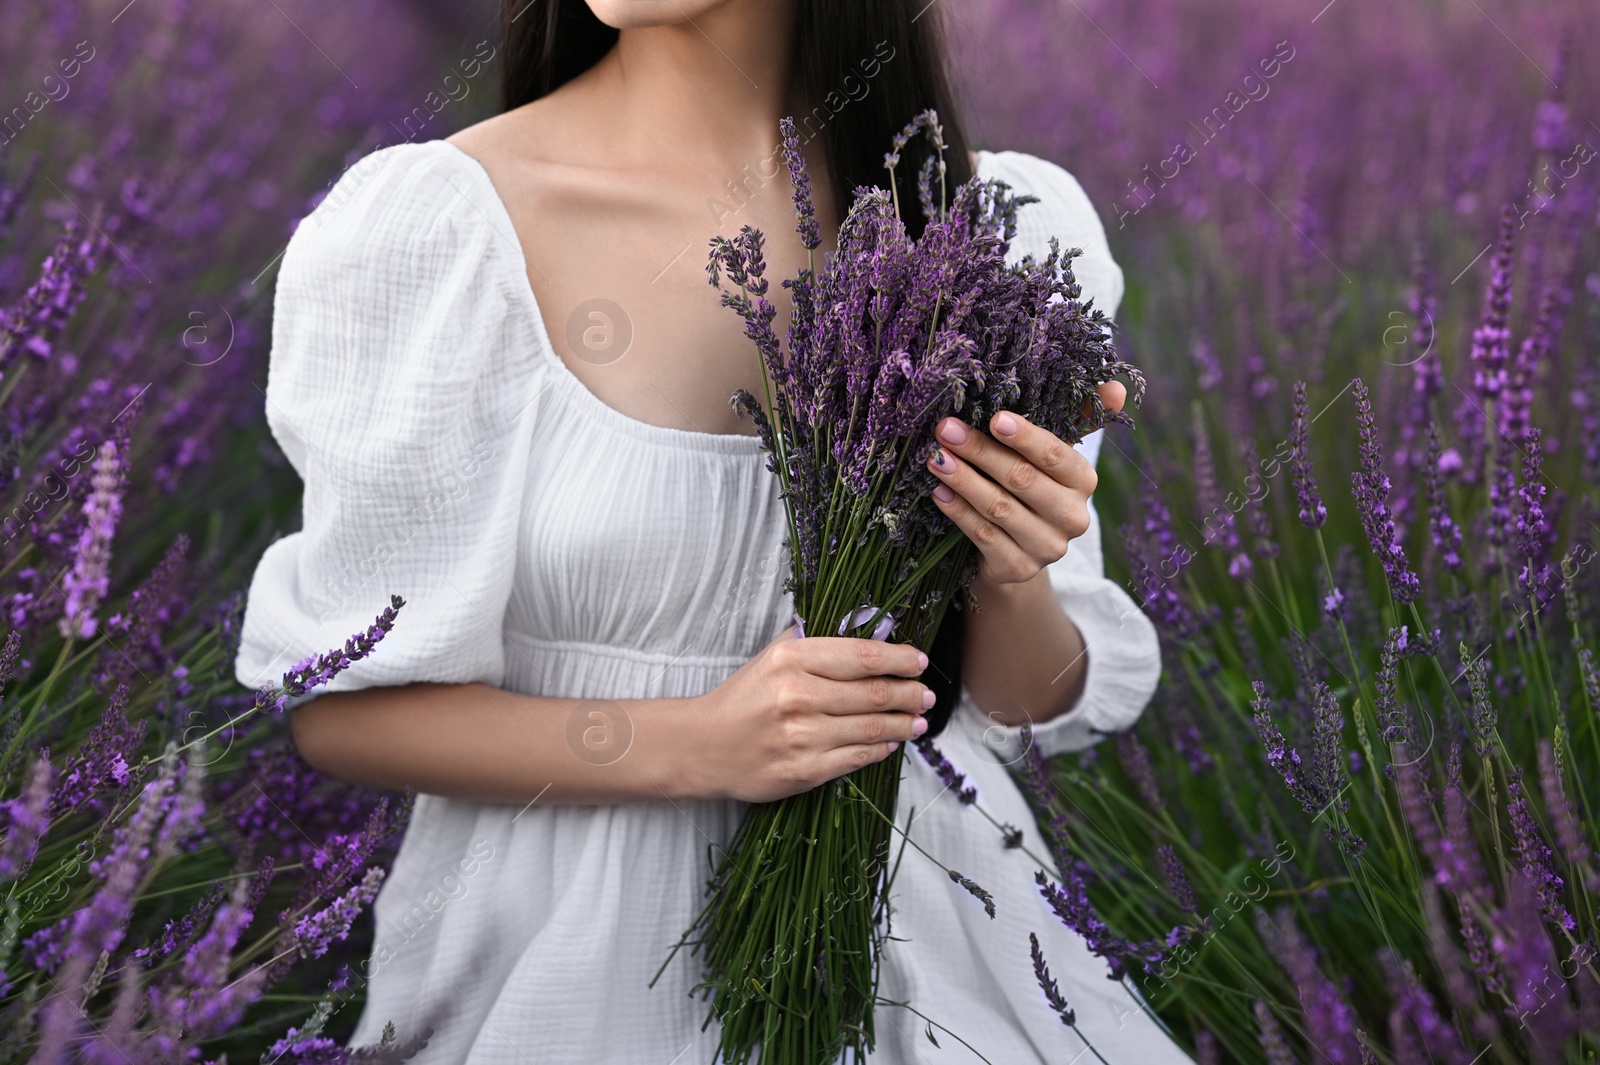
805, 711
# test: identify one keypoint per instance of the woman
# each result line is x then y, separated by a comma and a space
499, 370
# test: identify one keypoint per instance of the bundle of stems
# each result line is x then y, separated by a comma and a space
894, 335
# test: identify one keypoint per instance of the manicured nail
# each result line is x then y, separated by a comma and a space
922, 661
894, 745
1005, 424
928, 699
953, 432
919, 726
944, 493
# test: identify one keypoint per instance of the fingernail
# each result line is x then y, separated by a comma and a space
944, 493
1005, 424
939, 458
928, 699
953, 432
922, 661
894, 745
919, 726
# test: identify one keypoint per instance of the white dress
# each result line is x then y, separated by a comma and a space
548, 544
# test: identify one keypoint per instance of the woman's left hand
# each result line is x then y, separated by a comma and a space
1034, 500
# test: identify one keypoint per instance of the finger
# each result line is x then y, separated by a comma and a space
842, 761
852, 658
1113, 394
1038, 451
854, 729
994, 519
871, 696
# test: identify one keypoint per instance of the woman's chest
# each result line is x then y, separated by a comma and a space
640, 537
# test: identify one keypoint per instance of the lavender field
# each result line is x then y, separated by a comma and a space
1357, 824
176, 883
1362, 505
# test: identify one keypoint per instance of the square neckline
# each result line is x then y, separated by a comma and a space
733, 444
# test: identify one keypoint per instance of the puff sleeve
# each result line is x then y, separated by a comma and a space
1124, 656
395, 391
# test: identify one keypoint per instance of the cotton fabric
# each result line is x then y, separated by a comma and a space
413, 386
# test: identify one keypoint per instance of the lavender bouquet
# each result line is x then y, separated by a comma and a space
891, 336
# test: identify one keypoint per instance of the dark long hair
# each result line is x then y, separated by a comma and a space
864, 67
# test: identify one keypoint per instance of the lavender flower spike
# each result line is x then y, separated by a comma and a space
317, 670
26, 819
316, 932
975, 891
805, 211
953, 778
90, 577
1312, 513
1371, 486
1047, 984
1272, 1040
1446, 533
1569, 831
1536, 857
1177, 878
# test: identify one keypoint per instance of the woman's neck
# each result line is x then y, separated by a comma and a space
702, 92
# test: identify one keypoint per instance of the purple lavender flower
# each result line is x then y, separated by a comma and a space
1415, 1010
1319, 785
1177, 879
1446, 534
1460, 868
314, 933
1416, 809
953, 778
1037, 785
975, 891
104, 761
1371, 486
1569, 832
805, 212
1391, 716
317, 670
1217, 520
1135, 759
1541, 1004
1533, 530
1157, 558
86, 584
1280, 756
1484, 715
26, 819
1272, 1038
99, 927
1047, 984
1464, 994
1536, 856
1328, 1019
1490, 342
1312, 513
1070, 902
1480, 951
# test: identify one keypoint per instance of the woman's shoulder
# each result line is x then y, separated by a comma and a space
406, 203
395, 305
1060, 194
1064, 211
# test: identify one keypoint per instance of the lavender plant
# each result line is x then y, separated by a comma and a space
888, 337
